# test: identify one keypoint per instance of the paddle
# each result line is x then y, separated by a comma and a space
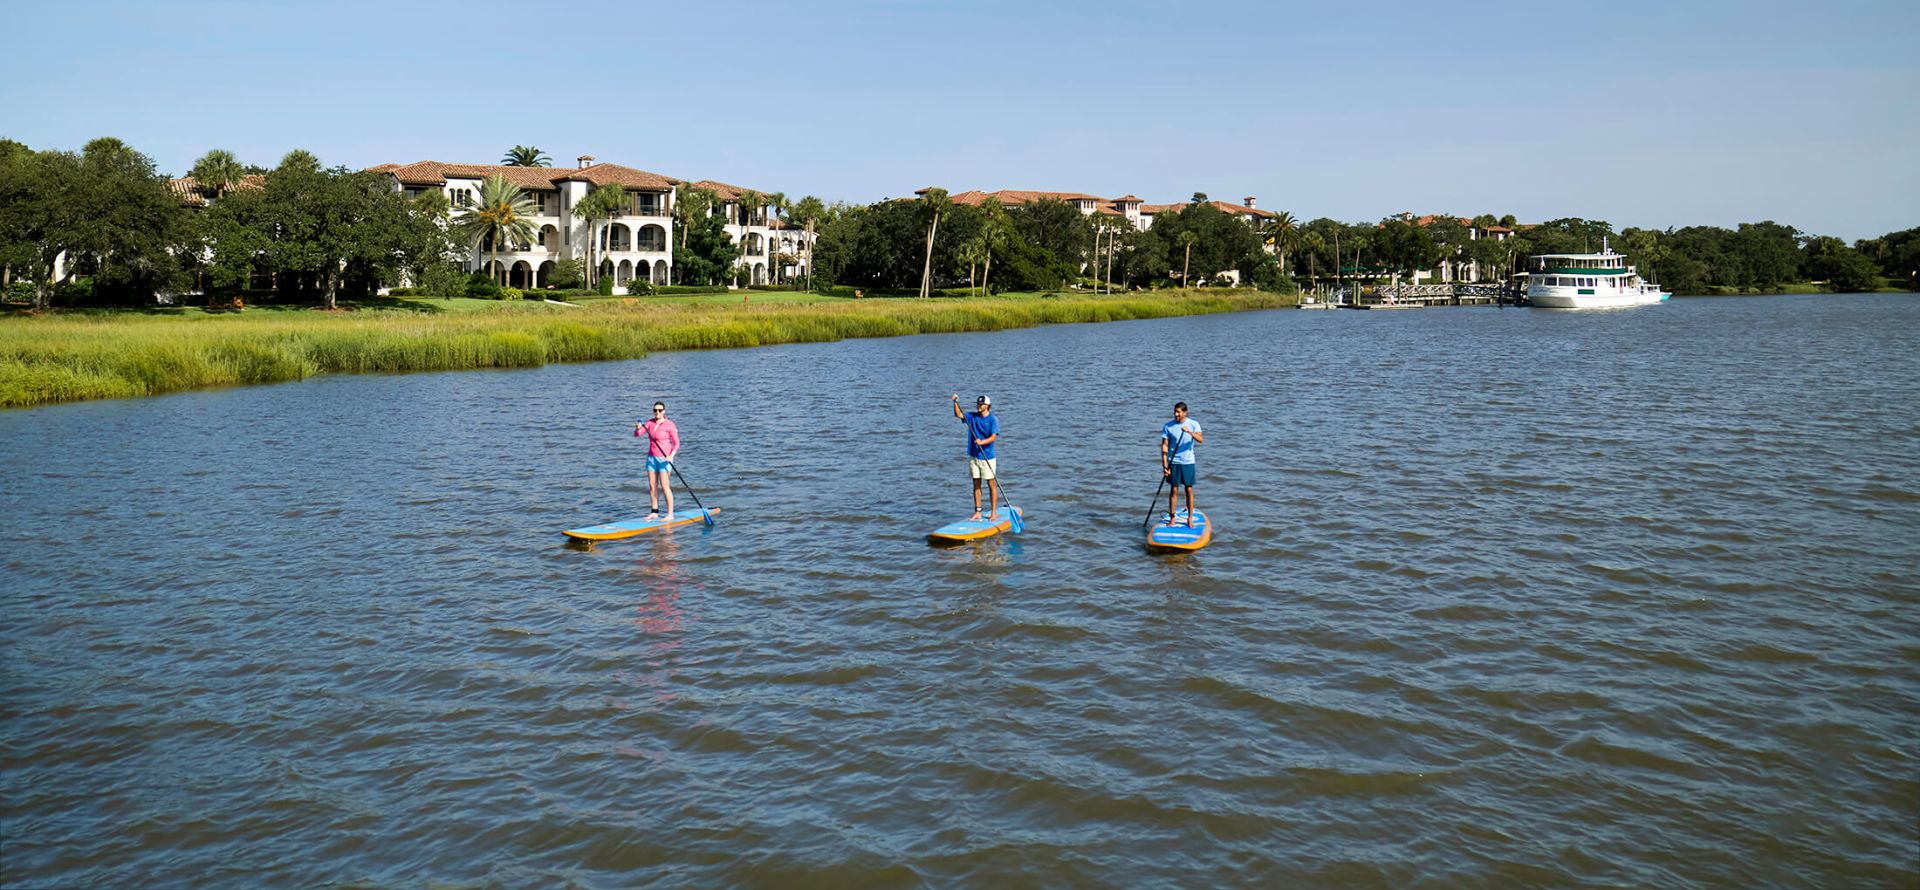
1155, 505
705, 516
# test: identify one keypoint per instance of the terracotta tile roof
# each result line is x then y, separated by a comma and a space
1226, 207
1017, 197
725, 191
1427, 220
614, 174
192, 194
438, 172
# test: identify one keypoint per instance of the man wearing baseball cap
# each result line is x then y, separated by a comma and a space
983, 429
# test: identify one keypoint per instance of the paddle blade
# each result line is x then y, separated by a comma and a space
706, 516
1019, 524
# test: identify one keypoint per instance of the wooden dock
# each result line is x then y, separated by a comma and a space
1419, 296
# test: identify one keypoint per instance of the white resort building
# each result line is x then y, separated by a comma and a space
771, 251
636, 243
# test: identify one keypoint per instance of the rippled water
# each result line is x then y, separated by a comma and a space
1497, 597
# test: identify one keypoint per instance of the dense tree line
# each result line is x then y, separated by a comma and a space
1751, 257
1043, 245
125, 236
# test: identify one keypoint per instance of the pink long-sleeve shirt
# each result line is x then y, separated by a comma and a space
663, 438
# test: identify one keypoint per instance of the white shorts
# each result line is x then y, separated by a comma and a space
981, 469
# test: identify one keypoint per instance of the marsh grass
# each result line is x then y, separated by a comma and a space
73, 358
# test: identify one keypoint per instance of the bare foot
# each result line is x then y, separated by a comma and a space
976, 517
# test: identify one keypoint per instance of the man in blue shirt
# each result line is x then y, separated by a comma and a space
983, 429
1177, 439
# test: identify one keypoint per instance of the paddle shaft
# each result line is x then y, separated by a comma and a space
704, 515
1155, 505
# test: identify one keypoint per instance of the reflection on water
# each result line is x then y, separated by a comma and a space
1497, 598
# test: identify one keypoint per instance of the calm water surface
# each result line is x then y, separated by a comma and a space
1498, 597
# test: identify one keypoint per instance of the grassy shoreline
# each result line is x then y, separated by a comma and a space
70, 357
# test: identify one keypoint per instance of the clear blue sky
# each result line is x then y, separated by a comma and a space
1640, 113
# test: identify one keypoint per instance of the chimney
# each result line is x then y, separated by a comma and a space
585, 161
1249, 202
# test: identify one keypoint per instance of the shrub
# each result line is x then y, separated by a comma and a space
77, 289
512, 293
566, 274
606, 285
20, 292
441, 280
403, 292
482, 285
639, 288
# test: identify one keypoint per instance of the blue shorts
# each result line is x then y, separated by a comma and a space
1181, 474
658, 464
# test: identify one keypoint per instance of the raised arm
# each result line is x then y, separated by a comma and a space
956, 408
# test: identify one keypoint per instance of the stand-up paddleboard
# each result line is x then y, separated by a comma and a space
1176, 538
970, 530
627, 528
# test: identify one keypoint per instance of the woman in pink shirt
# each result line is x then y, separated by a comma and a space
663, 442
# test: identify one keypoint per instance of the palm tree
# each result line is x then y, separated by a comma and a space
1284, 234
526, 156
1312, 243
994, 234
936, 200
972, 253
689, 204
777, 202
1187, 239
601, 203
218, 170
300, 159
808, 211
504, 212
749, 201
432, 204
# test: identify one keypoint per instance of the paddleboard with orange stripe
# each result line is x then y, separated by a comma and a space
974, 530
627, 528
1178, 538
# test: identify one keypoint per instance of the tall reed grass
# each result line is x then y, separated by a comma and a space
66, 358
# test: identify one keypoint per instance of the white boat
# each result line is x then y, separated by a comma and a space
1588, 281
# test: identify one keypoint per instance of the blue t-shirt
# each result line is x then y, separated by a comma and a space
1179, 438
979, 427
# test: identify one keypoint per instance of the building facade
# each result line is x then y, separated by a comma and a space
636, 243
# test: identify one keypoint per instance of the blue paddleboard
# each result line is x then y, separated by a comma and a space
1178, 536
627, 528
970, 530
